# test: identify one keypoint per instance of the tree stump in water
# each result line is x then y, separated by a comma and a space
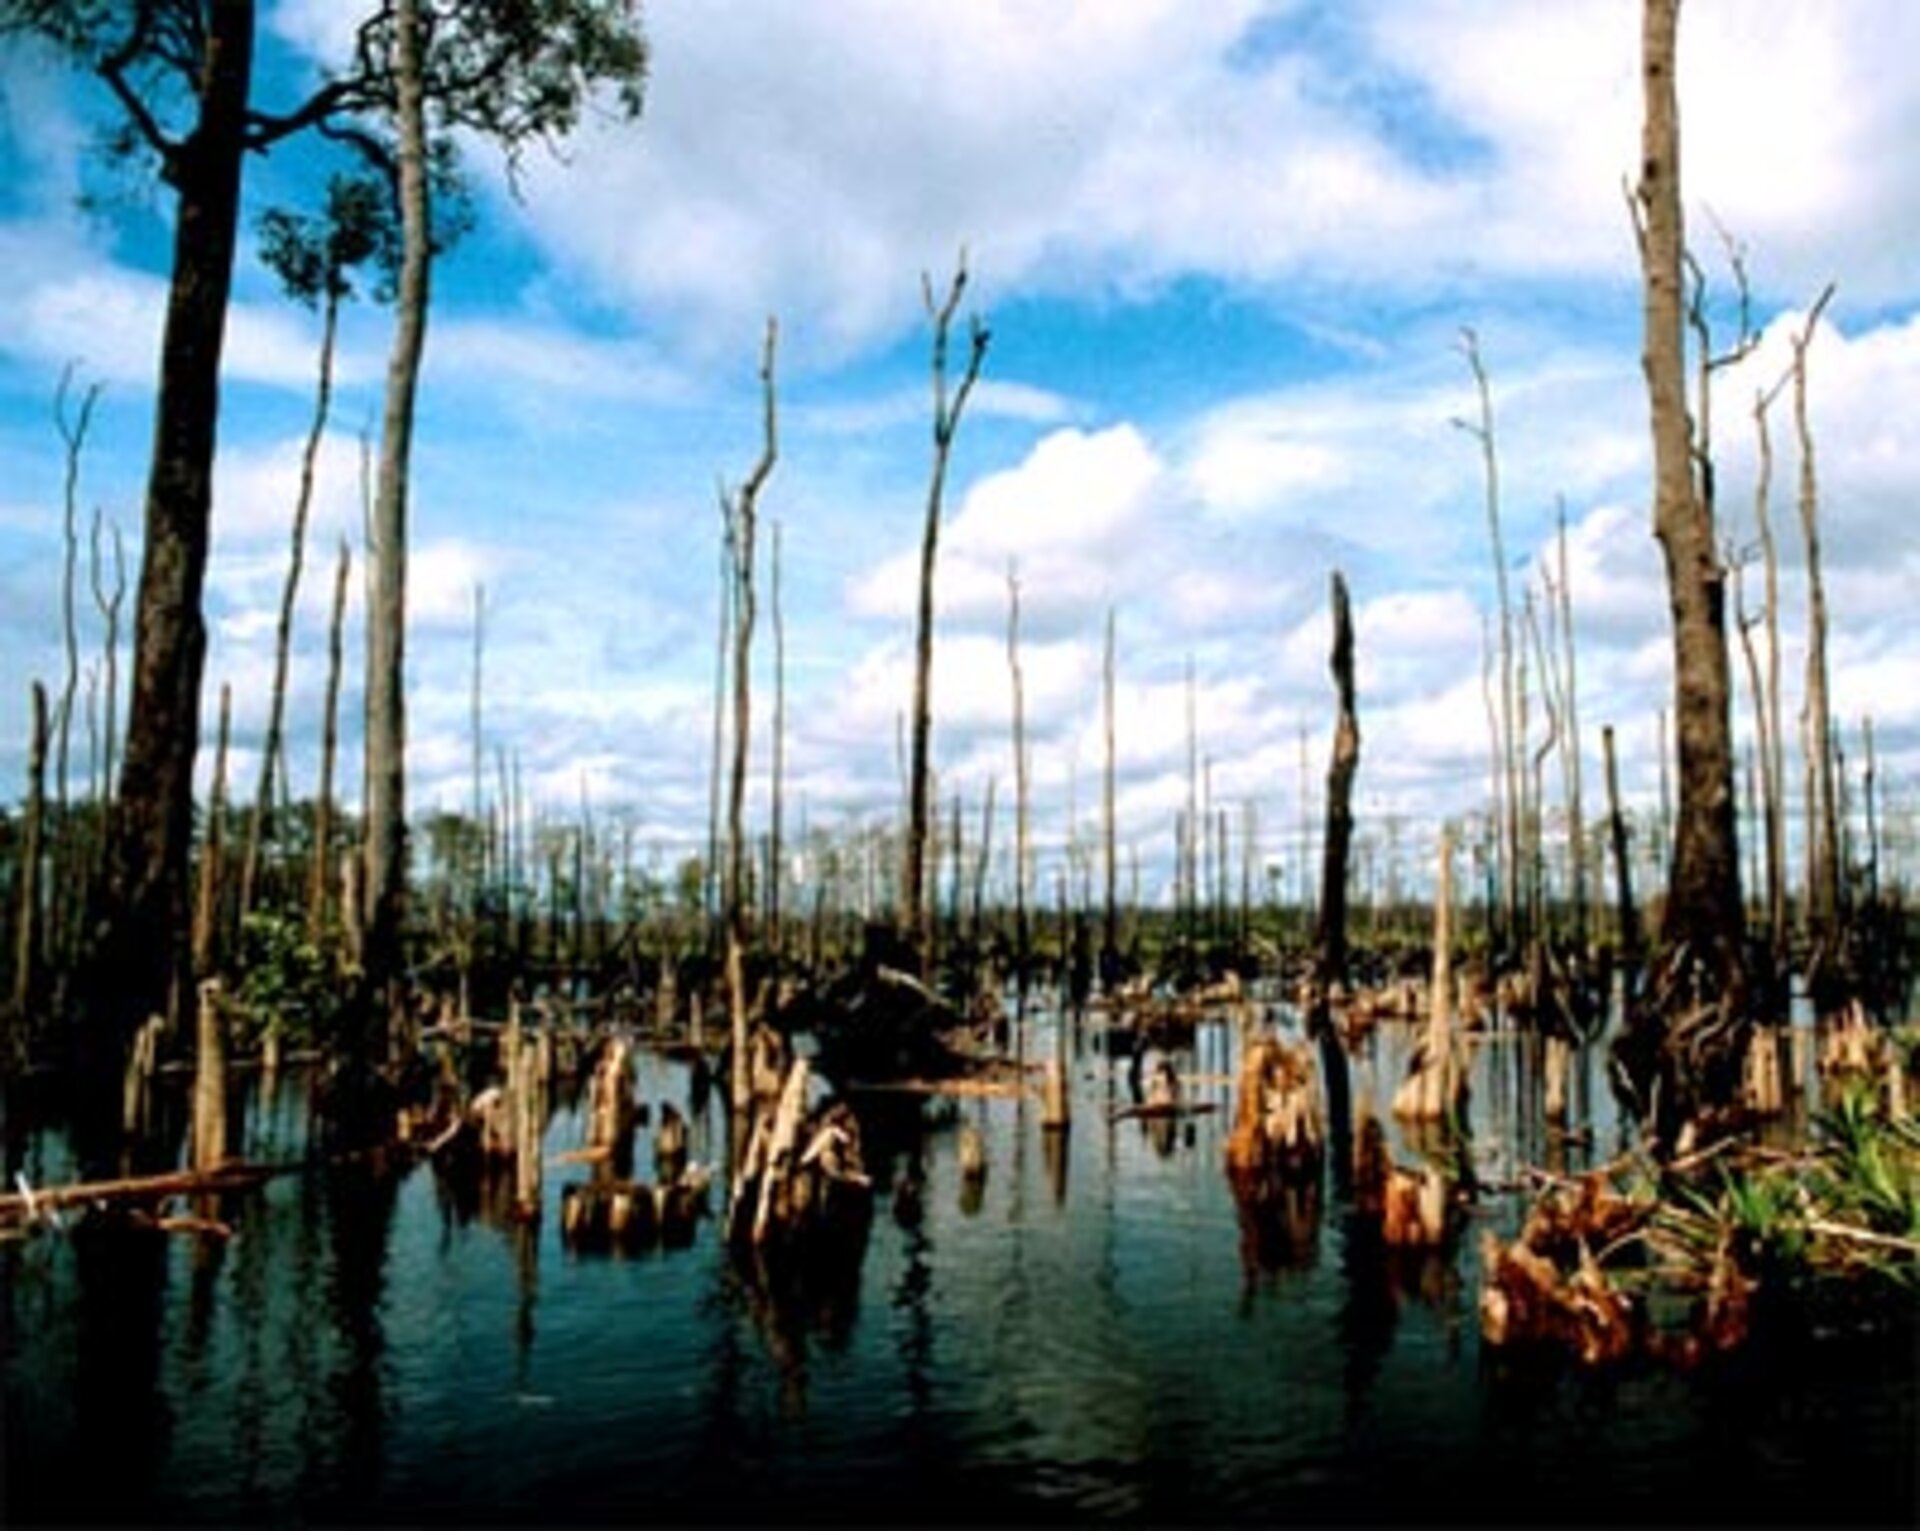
1411, 1206
611, 1108
1277, 1123
801, 1187
210, 1082
670, 1144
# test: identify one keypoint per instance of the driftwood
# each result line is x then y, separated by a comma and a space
1548, 1285
30, 1202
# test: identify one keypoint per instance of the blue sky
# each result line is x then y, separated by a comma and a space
1225, 251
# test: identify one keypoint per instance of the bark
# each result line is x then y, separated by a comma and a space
1773, 761
386, 851
1703, 898
740, 512
946, 420
272, 752
1019, 782
1110, 950
1570, 707
206, 917
1342, 766
109, 604
320, 872
777, 787
143, 961
28, 936
1506, 741
710, 879
1824, 895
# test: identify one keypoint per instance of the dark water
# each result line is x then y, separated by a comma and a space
1093, 1337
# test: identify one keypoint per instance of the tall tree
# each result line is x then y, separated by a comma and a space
1698, 1036
314, 258
181, 74
948, 403
740, 511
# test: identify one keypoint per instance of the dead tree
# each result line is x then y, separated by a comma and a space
109, 604
28, 938
1696, 1039
1570, 707
1342, 766
1824, 830
1110, 948
946, 420
320, 872
777, 785
206, 915
1773, 780
1506, 806
1019, 784
739, 510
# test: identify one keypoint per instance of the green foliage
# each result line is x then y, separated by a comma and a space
1870, 1172
315, 256
287, 980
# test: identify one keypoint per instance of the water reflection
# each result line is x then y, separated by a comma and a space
1097, 1327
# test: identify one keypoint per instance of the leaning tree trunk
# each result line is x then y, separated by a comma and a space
143, 961
271, 747
386, 895
1702, 925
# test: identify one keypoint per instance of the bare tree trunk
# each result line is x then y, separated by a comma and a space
1110, 949
206, 919
109, 607
711, 879
1624, 914
1824, 830
1773, 760
946, 419
1570, 706
1342, 766
66, 850
386, 647
1507, 743
739, 510
1703, 901
272, 751
983, 862
1019, 783
320, 872
775, 864
28, 936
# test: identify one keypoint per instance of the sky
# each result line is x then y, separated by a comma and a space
1226, 254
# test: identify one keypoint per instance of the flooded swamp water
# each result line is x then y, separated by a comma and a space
1090, 1333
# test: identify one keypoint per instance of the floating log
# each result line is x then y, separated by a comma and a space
33, 1202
